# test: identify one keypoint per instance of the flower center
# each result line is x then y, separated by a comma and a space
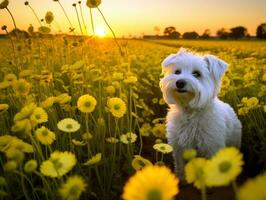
45, 133
154, 194
69, 126
116, 107
74, 191
141, 163
162, 148
87, 104
38, 116
57, 164
224, 166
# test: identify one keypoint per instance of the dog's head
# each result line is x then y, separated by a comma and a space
191, 80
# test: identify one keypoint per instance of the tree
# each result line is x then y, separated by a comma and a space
206, 34
238, 32
261, 31
171, 32
190, 35
222, 33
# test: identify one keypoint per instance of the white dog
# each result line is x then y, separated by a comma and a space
196, 117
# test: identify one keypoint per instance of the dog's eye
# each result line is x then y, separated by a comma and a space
178, 72
196, 74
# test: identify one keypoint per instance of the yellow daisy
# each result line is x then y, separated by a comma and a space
58, 164
62, 98
94, 159
139, 162
152, 182
145, 129
224, 167
21, 87
128, 138
163, 148
68, 125
86, 103
72, 188
24, 126
189, 154
4, 107
49, 102
39, 115
159, 130
10, 166
112, 140
86, 136
110, 89
44, 135
25, 112
78, 143
253, 189
117, 107
194, 172
4, 85
10, 77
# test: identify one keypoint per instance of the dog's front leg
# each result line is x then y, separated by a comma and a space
179, 162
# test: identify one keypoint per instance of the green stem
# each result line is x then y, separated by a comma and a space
78, 20
235, 188
35, 15
65, 14
92, 24
203, 192
12, 18
120, 49
83, 21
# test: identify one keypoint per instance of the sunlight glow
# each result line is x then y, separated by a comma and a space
100, 32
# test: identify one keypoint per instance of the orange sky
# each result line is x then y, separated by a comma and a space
141, 16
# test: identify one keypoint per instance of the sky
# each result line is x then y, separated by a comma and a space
138, 17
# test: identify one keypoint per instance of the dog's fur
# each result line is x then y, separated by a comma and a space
196, 117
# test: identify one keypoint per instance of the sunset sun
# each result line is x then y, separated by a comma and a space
100, 32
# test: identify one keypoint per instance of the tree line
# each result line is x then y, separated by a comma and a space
238, 32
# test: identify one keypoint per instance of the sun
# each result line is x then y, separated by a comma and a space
100, 32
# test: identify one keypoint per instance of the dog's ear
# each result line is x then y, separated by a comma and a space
216, 66
169, 60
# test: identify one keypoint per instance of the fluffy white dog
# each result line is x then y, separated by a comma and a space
196, 117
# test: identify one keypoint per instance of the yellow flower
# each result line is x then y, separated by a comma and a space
30, 166
224, 167
131, 80
161, 101
128, 138
21, 87
112, 140
94, 159
72, 188
4, 84
68, 125
152, 182
86, 136
62, 98
25, 112
39, 115
49, 17
189, 154
11, 142
24, 125
49, 102
110, 89
253, 189
25, 73
10, 166
86, 103
4, 107
159, 130
252, 102
139, 162
163, 148
44, 135
194, 172
15, 154
78, 143
58, 164
10, 77
117, 107
145, 129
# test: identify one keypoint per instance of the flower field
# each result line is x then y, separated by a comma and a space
77, 119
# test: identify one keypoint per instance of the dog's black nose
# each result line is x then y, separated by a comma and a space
180, 84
